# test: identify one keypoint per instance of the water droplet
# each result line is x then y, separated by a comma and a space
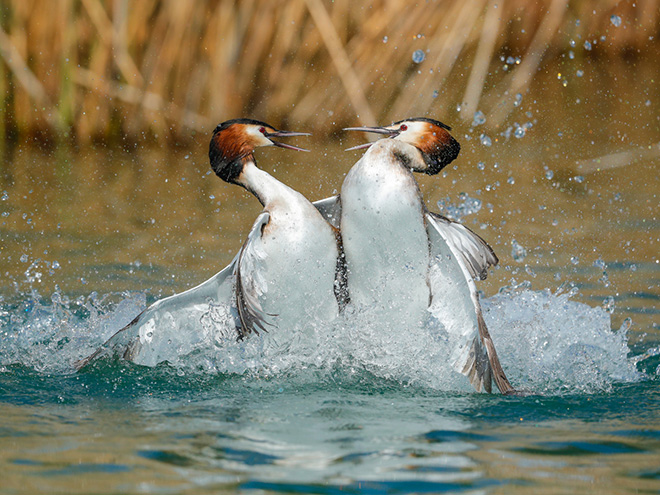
599, 263
518, 252
587, 45
615, 20
549, 174
436, 93
518, 100
519, 132
579, 179
481, 166
5, 196
418, 56
479, 118
571, 55
384, 39
575, 260
485, 140
55, 265
608, 304
579, 73
511, 180
24, 258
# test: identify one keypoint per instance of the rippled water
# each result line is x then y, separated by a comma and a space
90, 237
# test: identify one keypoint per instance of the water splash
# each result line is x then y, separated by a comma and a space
49, 335
552, 344
467, 205
547, 342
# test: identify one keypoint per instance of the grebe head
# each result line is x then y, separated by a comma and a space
234, 141
438, 148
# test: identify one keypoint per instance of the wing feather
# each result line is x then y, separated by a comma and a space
476, 254
330, 209
455, 302
176, 319
249, 285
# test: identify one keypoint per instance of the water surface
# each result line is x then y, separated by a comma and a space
89, 237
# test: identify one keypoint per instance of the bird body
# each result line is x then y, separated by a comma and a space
290, 258
384, 235
407, 262
281, 282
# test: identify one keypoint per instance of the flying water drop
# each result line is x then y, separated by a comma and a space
479, 118
518, 252
418, 56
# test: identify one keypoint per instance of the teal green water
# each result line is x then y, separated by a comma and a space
122, 429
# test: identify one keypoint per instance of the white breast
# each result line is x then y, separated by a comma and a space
295, 261
384, 235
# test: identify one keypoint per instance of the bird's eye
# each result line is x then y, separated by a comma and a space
262, 130
403, 127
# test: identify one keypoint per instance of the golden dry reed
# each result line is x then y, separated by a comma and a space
161, 70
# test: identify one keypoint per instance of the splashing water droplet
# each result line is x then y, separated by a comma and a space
575, 260
518, 252
436, 93
518, 100
384, 39
519, 132
467, 206
418, 56
549, 174
511, 180
481, 166
5, 196
479, 118
608, 304
579, 73
485, 140
587, 45
615, 20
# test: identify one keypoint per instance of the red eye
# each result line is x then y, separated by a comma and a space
403, 127
262, 130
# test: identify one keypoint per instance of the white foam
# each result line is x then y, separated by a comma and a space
547, 343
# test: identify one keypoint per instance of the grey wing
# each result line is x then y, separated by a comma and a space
177, 324
476, 254
455, 302
250, 286
330, 208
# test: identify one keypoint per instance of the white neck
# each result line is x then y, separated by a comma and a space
264, 186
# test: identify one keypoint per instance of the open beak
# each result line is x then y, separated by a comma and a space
270, 135
377, 130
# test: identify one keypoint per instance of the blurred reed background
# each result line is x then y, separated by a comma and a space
162, 70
